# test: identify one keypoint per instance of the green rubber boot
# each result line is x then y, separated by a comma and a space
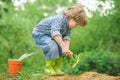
58, 63
49, 67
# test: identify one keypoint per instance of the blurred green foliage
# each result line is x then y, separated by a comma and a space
96, 60
99, 41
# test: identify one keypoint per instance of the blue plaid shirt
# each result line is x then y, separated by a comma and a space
55, 25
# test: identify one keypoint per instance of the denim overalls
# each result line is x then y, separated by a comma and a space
44, 32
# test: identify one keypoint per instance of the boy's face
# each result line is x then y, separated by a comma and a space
72, 23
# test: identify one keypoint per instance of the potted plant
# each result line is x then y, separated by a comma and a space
15, 65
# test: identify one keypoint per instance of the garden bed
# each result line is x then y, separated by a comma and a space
84, 76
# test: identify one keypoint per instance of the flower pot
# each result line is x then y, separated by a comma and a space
14, 66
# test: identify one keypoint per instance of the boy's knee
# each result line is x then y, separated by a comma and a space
53, 46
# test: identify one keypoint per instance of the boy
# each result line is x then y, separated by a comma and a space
53, 36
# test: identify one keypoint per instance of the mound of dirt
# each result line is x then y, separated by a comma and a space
84, 76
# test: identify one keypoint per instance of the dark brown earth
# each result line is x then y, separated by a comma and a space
84, 76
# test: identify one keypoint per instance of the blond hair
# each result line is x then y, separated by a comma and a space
77, 13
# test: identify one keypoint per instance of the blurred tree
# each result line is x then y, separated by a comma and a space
115, 26
4, 5
16, 28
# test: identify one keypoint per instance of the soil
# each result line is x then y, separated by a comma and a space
84, 76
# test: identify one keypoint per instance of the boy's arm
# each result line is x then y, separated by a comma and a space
67, 43
63, 45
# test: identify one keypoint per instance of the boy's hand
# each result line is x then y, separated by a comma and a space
67, 52
70, 54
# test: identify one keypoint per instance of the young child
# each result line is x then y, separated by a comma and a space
52, 35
